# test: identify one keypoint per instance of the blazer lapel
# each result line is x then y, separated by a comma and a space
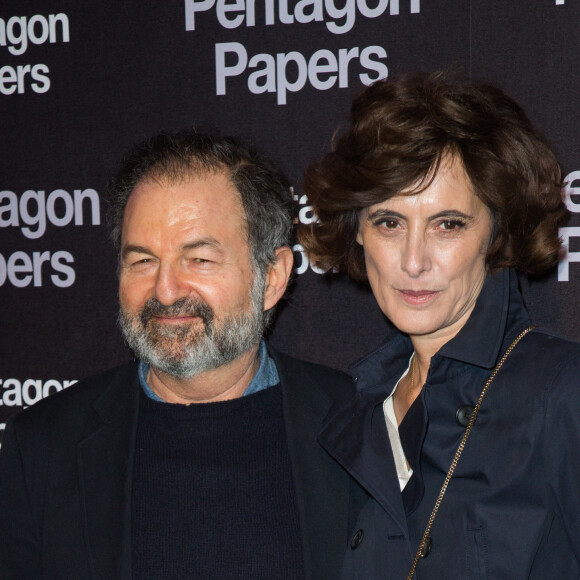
322, 486
105, 460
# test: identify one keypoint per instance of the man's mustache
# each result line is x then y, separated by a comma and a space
181, 307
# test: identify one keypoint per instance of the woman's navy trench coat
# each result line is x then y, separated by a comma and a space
512, 509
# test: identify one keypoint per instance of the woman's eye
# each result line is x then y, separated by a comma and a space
389, 223
451, 225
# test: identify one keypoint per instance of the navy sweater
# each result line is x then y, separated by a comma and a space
213, 495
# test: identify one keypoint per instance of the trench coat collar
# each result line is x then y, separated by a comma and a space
480, 339
499, 314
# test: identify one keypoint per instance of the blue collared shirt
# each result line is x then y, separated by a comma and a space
267, 375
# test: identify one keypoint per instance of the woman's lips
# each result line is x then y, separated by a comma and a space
418, 297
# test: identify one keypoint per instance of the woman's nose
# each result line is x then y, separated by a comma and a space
415, 258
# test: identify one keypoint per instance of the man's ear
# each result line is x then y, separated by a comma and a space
278, 276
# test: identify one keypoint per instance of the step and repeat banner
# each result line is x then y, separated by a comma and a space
80, 82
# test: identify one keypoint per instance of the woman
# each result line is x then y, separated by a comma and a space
439, 191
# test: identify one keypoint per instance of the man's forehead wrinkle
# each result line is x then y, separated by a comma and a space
163, 178
224, 188
134, 248
203, 242
160, 178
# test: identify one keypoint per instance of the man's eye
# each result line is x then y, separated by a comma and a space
141, 261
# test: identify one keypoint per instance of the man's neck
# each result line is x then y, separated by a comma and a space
221, 384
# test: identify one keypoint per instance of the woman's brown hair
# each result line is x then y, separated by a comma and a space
400, 131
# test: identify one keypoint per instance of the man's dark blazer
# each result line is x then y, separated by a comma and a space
66, 468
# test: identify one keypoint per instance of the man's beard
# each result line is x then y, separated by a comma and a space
185, 350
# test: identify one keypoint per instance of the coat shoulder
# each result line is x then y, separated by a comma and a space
70, 406
336, 385
553, 340
551, 349
550, 365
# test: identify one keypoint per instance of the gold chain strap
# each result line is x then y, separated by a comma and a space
426, 538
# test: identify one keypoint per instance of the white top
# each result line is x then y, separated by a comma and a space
404, 471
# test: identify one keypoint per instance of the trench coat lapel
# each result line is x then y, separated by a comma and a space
105, 461
357, 437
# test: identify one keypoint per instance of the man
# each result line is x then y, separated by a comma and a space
198, 460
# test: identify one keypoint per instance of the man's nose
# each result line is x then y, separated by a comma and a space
171, 284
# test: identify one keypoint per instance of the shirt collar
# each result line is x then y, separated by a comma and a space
266, 376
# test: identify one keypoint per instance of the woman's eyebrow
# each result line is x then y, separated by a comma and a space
448, 213
379, 213
451, 213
